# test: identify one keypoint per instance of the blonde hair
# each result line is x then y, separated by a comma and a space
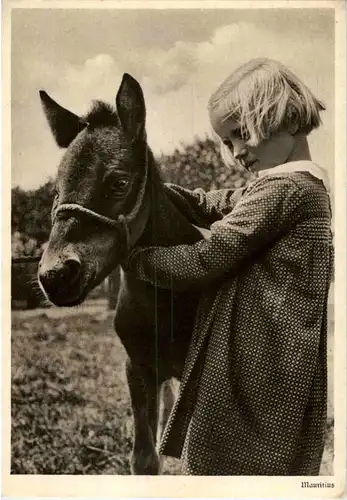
264, 96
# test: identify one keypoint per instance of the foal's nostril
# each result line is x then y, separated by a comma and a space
72, 270
62, 277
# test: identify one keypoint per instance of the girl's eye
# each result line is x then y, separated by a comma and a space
119, 187
242, 135
228, 144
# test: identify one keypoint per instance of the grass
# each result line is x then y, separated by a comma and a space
70, 403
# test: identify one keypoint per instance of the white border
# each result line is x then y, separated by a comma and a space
186, 486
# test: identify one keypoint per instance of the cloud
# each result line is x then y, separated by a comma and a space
168, 71
93, 70
97, 78
202, 64
228, 47
177, 84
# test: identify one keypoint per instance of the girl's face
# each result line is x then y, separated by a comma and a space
269, 153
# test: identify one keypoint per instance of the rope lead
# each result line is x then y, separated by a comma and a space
123, 223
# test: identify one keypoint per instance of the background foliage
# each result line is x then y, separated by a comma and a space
31, 213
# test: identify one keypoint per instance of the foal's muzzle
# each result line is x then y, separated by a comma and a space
62, 281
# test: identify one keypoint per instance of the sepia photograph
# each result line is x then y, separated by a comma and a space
173, 241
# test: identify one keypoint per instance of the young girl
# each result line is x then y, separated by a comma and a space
253, 395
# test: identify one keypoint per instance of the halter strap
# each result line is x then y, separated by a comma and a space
119, 223
122, 221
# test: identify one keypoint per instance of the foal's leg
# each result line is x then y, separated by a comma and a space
143, 391
167, 399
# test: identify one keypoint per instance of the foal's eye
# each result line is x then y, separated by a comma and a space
118, 187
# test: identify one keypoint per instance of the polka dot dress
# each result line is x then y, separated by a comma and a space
253, 396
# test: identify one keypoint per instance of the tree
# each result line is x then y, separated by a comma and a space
31, 211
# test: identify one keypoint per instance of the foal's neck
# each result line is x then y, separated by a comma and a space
166, 225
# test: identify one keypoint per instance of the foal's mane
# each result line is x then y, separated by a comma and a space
101, 114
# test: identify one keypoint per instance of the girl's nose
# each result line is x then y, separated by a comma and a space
240, 149
240, 153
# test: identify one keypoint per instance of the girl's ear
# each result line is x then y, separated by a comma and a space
292, 120
64, 124
293, 127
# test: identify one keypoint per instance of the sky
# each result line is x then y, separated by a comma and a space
178, 56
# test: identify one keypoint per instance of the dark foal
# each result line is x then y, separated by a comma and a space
109, 199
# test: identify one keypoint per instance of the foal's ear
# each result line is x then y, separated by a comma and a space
65, 126
131, 108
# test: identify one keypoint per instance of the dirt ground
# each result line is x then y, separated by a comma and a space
70, 403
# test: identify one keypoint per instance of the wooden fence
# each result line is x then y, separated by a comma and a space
25, 291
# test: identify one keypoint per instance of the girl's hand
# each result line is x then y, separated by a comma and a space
135, 256
205, 233
130, 263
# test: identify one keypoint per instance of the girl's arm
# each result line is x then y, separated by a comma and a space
201, 208
268, 211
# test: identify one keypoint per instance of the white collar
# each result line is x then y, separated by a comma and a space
299, 166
